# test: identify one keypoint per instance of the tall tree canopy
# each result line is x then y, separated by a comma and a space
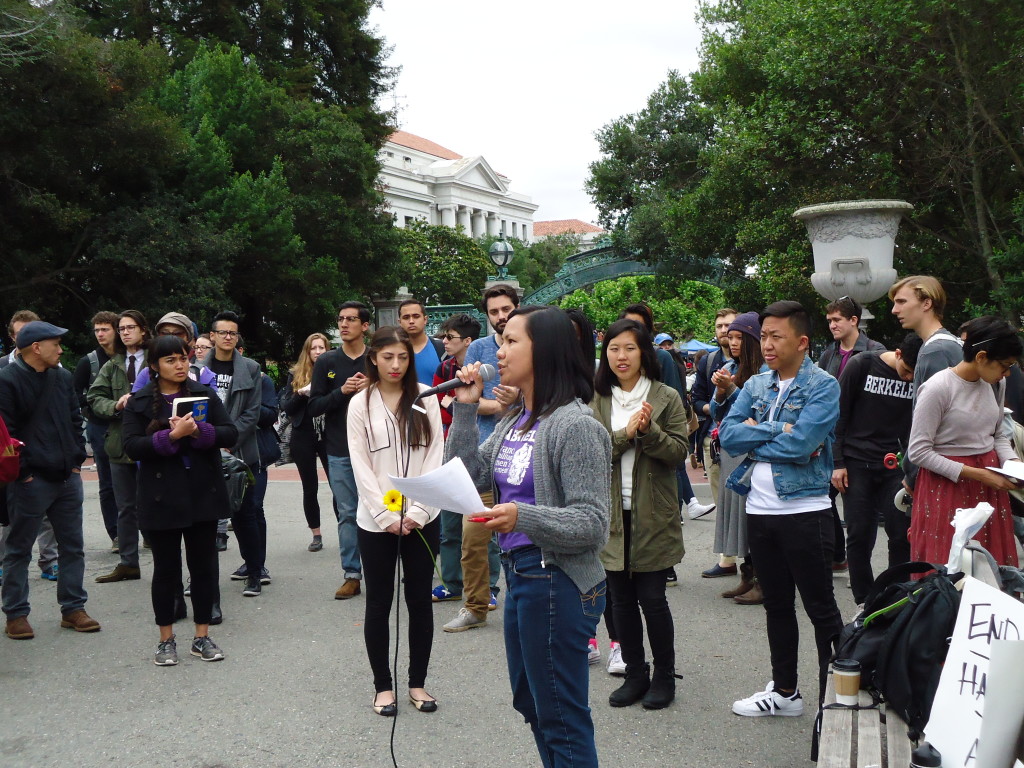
805, 101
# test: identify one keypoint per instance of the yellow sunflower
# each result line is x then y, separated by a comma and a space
393, 501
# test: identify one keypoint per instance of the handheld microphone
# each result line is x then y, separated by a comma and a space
486, 373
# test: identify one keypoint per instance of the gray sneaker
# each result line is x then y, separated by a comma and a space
206, 649
465, 620
166, 653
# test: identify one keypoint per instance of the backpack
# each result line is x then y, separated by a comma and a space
10, 456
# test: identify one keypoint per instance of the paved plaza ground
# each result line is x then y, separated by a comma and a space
295, 689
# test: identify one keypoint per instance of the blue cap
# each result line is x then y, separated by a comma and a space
37, 330
662, 337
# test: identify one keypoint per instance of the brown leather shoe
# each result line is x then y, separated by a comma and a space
746, 582
80, 621
120, 573
18, 628
350, 588
754, 596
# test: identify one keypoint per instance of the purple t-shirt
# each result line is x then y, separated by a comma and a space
513, 476
844, 358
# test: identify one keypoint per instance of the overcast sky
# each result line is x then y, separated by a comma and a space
527, 83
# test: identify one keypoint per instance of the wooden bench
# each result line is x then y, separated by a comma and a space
862, 738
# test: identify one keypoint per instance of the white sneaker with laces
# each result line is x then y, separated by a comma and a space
769, 702
695, 509
616, 666
593, 652
463, 621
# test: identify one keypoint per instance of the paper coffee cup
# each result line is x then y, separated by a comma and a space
846, 676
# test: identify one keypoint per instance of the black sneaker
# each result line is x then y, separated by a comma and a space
206, 649
252, 587
241, 574
222, 542
264, 576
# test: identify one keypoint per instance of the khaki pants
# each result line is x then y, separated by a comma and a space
476, 572
712, 470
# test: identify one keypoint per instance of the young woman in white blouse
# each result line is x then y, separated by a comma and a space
379, 429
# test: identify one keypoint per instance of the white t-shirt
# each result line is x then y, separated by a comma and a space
763, 499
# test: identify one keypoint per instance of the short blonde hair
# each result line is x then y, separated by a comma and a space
924, 287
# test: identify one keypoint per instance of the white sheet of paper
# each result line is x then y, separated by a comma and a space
447, 487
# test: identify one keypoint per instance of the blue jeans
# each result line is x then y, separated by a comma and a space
346, 497
28, 503
250, 523
97, 434
547, 625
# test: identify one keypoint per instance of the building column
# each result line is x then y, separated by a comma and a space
447, 215
466, 220
479, 223
493, 225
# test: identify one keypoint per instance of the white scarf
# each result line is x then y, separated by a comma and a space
624, 405
631, 401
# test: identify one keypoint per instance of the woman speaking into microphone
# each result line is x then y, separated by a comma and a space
548, 463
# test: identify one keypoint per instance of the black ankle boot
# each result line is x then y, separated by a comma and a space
638, 680
663, 688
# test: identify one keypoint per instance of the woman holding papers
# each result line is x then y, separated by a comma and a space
181, 490
956, 434
549, 464
390, 434
647, 424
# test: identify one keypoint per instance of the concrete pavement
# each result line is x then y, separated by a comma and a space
295, 689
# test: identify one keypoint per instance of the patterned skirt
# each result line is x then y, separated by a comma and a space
936, 500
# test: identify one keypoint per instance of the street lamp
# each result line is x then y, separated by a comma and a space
500, 253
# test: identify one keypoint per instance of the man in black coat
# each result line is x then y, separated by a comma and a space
40, 407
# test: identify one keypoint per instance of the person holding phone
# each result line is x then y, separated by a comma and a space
181, 490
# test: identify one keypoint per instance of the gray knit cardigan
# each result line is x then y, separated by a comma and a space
572, 467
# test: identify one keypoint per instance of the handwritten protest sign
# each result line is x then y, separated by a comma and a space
986, 615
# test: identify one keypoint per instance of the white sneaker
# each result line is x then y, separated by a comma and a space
593, 652
616, 666
695, 509
465, 620
769, 702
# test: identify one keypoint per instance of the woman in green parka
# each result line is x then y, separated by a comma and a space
647, 423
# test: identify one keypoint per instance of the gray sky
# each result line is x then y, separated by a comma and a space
527, 83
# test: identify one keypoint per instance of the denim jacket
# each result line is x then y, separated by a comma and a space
802, 459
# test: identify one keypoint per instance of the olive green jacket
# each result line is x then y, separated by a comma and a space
111, 383
656, 534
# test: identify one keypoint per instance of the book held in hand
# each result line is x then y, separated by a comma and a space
197, 406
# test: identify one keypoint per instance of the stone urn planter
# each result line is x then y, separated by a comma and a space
853, 243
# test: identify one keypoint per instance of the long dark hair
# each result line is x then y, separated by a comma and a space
992, 335
385, 337
584, 332
605, 379
557, 359
750, 359
162, 346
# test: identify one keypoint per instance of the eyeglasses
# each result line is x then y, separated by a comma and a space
127, 328
452, 337
348, 318
203, 347
227, 334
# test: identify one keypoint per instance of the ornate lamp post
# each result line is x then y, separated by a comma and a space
500, 253
853, 243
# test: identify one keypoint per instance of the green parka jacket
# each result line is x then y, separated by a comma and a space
111, 383
656, 534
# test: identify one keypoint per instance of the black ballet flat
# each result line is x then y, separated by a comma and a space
424, 705
385, 710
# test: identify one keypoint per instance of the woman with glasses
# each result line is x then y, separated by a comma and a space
387, 435
307, 437
957, 433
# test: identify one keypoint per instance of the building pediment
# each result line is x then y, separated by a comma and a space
475, 171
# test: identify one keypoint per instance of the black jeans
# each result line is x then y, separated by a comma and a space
379, 554
305, 451
201, 555
794, 552
251, 524
872, 489
631, 592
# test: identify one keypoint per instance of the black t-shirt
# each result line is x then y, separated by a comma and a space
331, 371
875, 410
224, 370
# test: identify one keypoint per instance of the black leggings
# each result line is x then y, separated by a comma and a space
378, 552
201, 555
305, 450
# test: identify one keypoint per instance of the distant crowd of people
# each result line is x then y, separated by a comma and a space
581, 467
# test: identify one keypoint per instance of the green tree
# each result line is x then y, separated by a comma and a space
684, 308
443, 265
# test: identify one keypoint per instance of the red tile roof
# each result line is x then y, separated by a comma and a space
563, 227
403, 139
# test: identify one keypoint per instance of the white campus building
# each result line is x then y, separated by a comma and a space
423, 180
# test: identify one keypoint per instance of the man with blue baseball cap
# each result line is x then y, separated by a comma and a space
39, 404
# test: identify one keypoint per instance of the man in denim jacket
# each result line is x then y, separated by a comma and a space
783, 421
